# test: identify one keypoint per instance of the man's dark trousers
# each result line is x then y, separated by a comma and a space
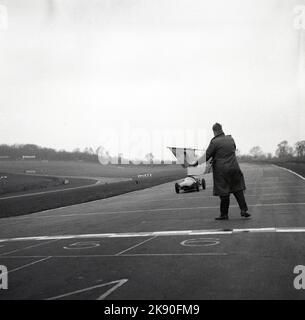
225, 202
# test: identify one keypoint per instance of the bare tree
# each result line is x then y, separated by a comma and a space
300, 149
149, 158
256, 152
284, 150
88, 150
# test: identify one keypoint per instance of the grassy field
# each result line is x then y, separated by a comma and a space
18, 182
84, 169
11, 184
49, 176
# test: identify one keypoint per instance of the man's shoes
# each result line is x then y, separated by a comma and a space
222, 218
245, 214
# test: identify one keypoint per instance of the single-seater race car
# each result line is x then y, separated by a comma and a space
194, 178
190, 183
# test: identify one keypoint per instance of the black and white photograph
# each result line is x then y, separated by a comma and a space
152, 151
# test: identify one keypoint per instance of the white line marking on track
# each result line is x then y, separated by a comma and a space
296, 174
175, 254
158, 233
120, 235
82, 245
50, 191
123, 255
29, 247
118, 283
29, 264
200, 242
107, 293
297, 229
255, 230
276, 204
135, 246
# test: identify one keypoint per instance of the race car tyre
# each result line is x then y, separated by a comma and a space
203, 184
197, 186
177, 189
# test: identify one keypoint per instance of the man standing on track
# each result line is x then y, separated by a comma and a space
227, 176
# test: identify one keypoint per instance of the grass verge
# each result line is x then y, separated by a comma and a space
33, 203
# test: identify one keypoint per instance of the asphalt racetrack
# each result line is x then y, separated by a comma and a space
155, 244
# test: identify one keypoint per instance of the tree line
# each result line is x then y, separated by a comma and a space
284, 152
23, 151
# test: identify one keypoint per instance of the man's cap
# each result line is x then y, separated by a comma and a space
217, 127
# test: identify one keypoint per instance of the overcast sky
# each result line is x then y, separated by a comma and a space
73, 70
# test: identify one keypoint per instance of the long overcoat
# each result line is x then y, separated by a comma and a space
227, 175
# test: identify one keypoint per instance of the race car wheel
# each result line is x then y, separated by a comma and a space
177, 189
197, 186
203, 184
